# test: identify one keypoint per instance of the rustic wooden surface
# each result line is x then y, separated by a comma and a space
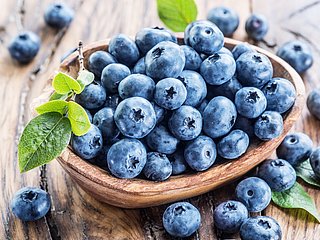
74, 214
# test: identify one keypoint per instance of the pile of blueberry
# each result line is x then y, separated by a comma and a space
159, 108
252, 195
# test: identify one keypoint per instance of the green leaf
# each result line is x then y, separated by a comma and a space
43, 139
177, 14
63, 84
79, 120
59, 106
296, 197
305, 171
57, 96
85, 78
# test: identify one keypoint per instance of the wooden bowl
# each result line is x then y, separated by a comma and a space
139, 193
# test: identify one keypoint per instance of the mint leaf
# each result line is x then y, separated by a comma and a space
59, 106
43, 139
177, 14
85, 78
63, 84
57, 96
79, 120
296, 197
305, 171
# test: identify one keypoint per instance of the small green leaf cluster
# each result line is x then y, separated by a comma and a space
47, 135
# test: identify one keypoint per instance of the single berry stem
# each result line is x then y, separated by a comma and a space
80, 50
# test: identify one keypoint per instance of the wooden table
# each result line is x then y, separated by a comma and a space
76, 215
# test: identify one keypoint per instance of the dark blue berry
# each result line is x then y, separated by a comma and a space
92, 97
254, 193
200, 153
181, 219
233, 145
30, 203
135, 117
24, 47
241, 48
112, 75
98, 61
124, 49
295, 148
227, 89
137, 85
313, 103
179, 164
89, 145
268, 126
140, 66
186, 123
193, 59
158, 167
58, 15
225, 18
278, 173
315, 162
257, 27
126, 158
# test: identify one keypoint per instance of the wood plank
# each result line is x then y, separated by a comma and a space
296, 20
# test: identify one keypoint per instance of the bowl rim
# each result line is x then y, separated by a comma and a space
184, 185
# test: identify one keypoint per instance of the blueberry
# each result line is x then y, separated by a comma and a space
228, 216
112, 101
112, 75
140, 66
58, 15
160, 112
225, 50
227, 89
257, 27
204, 37
254, 193
89, 145
260, 228
193, 59
161, 140
225, 18
124, 49
268, 126
170, 93
98, 61
202, 106
147, 38
295, 148
137, 85
24, 47
254, 69
135, 117
89, 115
233, 145
313, 103
30, 203
181, 219
101, 159
280, 94
92, 97
246, 125
103, 119
278, 173
250, 102
297, 54
218, 69
186, 123
179, 164
219, 117
241, 48
126, 158
200, 153
158, 167
315, 161
165, 60
195, 85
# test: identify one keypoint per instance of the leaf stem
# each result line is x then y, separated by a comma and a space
80, 51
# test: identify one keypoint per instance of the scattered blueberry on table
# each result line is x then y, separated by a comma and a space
30, 203
58, 15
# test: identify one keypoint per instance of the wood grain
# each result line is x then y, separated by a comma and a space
74, 214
